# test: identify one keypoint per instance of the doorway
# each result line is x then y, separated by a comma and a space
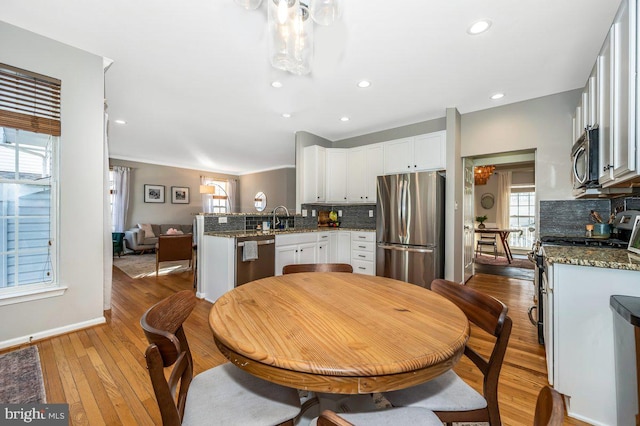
504, 199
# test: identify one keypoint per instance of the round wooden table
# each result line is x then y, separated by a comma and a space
339, 332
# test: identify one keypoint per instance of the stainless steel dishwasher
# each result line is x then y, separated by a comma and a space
263, 266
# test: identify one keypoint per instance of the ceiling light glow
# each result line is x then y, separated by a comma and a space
120, 122
479, 27
276, 84
345, 119
364, 84
497, 96
286, 115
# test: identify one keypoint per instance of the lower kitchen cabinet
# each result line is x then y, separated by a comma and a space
579, 336
295, 248
363, 258
340, 247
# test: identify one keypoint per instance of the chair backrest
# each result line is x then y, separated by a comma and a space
174, 247
490, 315
317, 267
549, 408
330, 418
162, 325
488, 237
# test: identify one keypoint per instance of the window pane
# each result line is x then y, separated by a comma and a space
25, 155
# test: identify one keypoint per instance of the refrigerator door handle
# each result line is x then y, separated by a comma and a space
404, 248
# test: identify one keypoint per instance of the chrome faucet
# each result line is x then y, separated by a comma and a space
275, 221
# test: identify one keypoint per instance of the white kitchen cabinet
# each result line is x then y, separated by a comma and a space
418, 153
579, 337
294, 249
363, 253
323, 252
364, 165
374, 160
340, 247
336, 173
592, 84
313, 175
617, 65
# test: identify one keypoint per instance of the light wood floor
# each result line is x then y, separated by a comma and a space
101, 371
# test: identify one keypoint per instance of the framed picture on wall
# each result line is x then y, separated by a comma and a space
179, 195
153, 193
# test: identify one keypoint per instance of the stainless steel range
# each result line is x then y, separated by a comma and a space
622, 227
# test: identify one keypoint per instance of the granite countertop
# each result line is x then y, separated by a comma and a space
241, 234
592, 256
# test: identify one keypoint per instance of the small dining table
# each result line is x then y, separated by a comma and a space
504, 238
339, 332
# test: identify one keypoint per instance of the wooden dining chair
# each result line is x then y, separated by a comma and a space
549, 408
448, 395
413, 416
174, 247
549, 412
487, 240
316, 267
222, 395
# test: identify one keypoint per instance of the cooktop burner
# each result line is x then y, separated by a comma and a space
584, 241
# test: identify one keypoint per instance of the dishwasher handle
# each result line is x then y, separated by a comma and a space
260, 243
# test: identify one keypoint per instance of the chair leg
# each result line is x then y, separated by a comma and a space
157, 264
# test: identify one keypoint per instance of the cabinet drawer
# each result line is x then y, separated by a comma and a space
362, 255
363, 236
364, 246
301, 238
363, 267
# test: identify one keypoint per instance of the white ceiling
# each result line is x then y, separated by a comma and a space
193, 82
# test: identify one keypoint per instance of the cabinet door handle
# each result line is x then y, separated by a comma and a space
415, 165
362, 267
409, 166
361, 255
362, 246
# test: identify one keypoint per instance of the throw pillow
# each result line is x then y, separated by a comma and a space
174, 231
148, 232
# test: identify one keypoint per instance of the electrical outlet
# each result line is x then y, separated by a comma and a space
304, 213
222, 220
370, 213
313, 213
339, 213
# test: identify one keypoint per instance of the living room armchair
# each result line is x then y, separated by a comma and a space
174, 247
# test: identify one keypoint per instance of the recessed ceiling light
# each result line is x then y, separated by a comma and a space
120, 122
497, 96
479, 27
276, 84
364, 84
344, 119
286, 115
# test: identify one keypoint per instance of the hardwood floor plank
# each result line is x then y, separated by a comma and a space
106, 362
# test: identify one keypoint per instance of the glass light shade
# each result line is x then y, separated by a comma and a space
301, 42
325, 12
249, 4
279, 24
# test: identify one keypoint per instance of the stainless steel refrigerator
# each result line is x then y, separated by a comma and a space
410, 227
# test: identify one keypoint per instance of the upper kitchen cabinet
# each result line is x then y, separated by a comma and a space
337, 175
313, 175
617, 81
418, 153
364, 165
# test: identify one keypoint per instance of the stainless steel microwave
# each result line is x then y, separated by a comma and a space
585, 160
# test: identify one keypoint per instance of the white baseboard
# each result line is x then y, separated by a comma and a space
51, 332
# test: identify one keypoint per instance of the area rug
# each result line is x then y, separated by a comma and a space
21, 377
485, 259
144, 265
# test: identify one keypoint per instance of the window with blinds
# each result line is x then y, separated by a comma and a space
29, 137
29, 101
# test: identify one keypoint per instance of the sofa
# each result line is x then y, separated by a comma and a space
137, 240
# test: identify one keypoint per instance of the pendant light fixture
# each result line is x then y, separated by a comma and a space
290, 28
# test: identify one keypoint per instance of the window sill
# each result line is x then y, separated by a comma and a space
30, 295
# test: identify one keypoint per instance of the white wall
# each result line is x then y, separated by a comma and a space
80, 213
543, 124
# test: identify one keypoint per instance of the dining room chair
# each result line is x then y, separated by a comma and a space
448, 395
316, 267
221, 395
487, 240
174, 247
549, 408
413, 416
549, 411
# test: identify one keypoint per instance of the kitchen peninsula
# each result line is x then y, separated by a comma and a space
226, 258
579, 338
